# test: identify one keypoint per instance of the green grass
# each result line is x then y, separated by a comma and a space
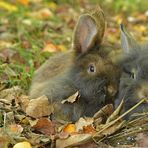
36, 32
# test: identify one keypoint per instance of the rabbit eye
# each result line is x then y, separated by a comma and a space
91, 68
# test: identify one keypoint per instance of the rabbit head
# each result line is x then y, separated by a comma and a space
134, 79
94, 73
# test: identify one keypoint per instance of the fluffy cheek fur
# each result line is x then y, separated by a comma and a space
91, 90
129, 91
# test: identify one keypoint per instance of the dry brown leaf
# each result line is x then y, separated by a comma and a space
15, 128
72, 98
23, 101
22, 119
112, 129
92, 144
50, 48
3, 140
8, 71
10, 118
33, 122
11, 93
73, 140
142, 140
7, 53
116, 112
63, 135
42, 14
89, 129
105, 130
105, 111
39, 107
45, 126
83, 122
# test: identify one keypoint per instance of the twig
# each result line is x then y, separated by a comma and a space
113, 122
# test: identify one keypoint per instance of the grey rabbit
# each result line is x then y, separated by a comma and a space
134, 80
89, 68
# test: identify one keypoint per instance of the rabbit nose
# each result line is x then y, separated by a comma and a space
143, 91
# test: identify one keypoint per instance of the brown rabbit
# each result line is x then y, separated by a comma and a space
89, 69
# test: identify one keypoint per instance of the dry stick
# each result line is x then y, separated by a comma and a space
129, 132
111, 123
135, 120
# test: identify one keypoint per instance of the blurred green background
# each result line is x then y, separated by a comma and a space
32, 31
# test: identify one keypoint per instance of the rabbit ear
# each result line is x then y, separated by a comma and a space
89, 31
128, 43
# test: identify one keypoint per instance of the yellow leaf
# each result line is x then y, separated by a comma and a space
52, 5
23, 2
24, 144
8, 6
62, 47
49, 47
5, 44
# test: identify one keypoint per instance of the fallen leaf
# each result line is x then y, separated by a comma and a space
72, 98
7, 70
11, 93
33, 122
24, 144
15, 128
104, 112
50, 48
8, 6
39, 107
89, 129
106, 129
63, 135
52, 5
4, 141
73, 140
116, 112
42, 14
62, 48
70, 128
142, 140
22, 119
23, 2
112, 129
7, 53
36, 139
10, 118
83, 122
23, 101
92, 144
45, 126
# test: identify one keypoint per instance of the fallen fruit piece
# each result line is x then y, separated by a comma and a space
70, 128
24, 144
